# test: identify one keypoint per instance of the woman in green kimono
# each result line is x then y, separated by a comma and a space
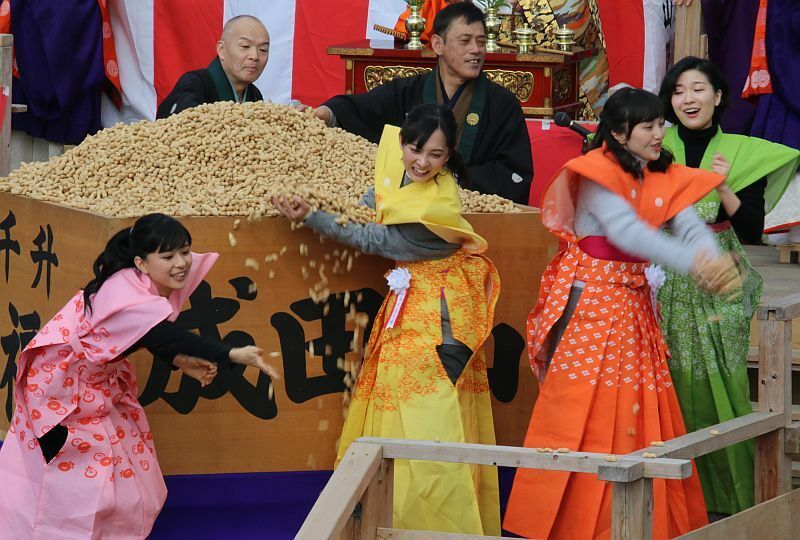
709, 335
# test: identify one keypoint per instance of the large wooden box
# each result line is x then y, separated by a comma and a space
46, 252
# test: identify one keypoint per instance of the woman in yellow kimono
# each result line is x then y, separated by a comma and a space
424, 376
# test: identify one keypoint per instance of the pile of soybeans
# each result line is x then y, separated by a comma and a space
219, 159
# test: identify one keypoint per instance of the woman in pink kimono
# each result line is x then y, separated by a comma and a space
78, 460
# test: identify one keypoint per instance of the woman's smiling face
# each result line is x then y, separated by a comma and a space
694, 100
424, 163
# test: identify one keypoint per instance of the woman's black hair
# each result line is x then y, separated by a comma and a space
707, 68
626, 108
152, 233
420, 124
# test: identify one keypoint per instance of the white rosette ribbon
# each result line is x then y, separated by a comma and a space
399, 281
655, 279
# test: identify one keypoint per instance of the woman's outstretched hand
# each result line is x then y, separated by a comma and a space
716, 274
198, 369
251, 356
293, 207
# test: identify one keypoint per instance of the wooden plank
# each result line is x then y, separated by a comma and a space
632, 510
752, 357
6, 41
777, 518
624, 472
512, 456
335, 504
773, 472
785, 308
701, 442
688, 30
403, 534
792, 438
774, 372
376, 504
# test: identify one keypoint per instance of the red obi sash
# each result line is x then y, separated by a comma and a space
719, 227
600, 248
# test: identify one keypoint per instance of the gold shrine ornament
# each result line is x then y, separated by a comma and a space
472, 119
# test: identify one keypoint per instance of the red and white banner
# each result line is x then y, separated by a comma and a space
158, 40
638, 35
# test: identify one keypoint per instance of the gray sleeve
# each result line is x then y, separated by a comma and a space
407, 242
693, 231
368, 198
622, 227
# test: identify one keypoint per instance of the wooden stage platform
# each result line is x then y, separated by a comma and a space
780, 280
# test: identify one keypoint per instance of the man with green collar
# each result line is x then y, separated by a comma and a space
492, 137
242, 54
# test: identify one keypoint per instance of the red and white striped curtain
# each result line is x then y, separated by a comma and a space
158, 40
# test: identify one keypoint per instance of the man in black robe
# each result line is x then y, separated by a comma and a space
242, 54
493, 139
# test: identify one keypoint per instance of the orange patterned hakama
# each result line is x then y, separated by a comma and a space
608, 390
403, 391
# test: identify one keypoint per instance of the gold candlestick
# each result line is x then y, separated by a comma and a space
492, 30
415, 24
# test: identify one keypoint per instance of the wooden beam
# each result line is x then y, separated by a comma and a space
632, 510
688, 30
701, 442
625, 472
773, 468
784, 309
752, 358
778, 518
18, 108
791, 438
376, 504
404, 534
512, 456
335, 504
6, 42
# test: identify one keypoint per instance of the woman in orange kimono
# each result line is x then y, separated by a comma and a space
594, 332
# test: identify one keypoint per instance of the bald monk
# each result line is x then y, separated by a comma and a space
242, 54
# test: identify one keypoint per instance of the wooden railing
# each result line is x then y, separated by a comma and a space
357, 501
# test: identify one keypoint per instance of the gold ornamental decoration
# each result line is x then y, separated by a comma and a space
375, 76
583, 17
561, 85
473, 118
519, 83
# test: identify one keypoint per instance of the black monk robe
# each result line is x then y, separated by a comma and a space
494, 141
203, 86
